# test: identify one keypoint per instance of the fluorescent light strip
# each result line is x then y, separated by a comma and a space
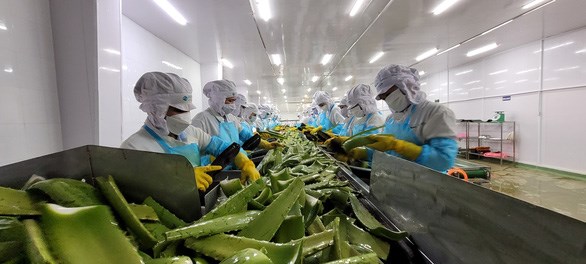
472, 82
499, 82
281, 80
453, 47
482, 49
526, 71
443, 6
247, 82
335, 88
537, 8
426, 54
463, 72
326, 59
498, 72
171, 11
3, 26
112, 51
349, 77
258, 91
581, 51
520, 81
276, 59
264, 10
532, 4
172, 65
284, 91
423, 84
109, 69
356, 7
567, 68
376, 56
309, 89
8, 70
227, 63
421, 73
314, 78
495, 28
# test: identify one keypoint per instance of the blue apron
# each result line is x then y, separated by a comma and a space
229, 133
402, 131
362, 127
324, 121
189, 151
247, 127
344, 131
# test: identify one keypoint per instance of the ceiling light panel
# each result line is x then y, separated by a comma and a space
314, 78
482, 49
276, 59
171, 11
326, 59
281, 80
443, 6
426, 54
532, 4
349, 77
264, 9
227, 63
247, 82
356, 7
376, 56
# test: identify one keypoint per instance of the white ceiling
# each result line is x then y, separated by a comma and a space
302, 31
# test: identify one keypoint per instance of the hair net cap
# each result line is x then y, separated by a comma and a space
322, 97
249, 109
344, 100
405, 78
364, 95
224, 87
168, 89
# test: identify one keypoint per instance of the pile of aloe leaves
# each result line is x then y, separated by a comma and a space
298, 212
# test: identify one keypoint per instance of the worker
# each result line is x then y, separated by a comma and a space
330, 115
217, 120
249, 116
239, 105
166, 98
344, 106
417, 130
362, 105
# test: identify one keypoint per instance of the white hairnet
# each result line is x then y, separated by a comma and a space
405, 78
217, 92
322, 97
156, 91
364, 95
240, 101
249, 109
344, 100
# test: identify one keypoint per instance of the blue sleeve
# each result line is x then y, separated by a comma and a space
338, 129
438, 154
245, 133
216, 146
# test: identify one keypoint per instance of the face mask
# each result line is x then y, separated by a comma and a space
357, 111
228, 108
324, 108
344, 112
397, 101
178, 123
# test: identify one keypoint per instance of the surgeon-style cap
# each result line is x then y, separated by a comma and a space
156, 91
344, 100
322, 97
405, 78
249, 109
168, 89
364, 95
217, 92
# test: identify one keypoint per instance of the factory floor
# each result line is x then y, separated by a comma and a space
555, 191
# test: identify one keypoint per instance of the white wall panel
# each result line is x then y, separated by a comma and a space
564, 59
143, 52
30, 122
472, 109
564, 129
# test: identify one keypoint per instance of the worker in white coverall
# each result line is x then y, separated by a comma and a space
167, 100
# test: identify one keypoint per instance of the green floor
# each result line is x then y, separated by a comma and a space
554, 191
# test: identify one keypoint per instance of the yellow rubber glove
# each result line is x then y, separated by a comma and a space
406, 149
269, 145
247, 167
315, 130
307, 129
358, 154
341, 157
383, 142
202, 178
